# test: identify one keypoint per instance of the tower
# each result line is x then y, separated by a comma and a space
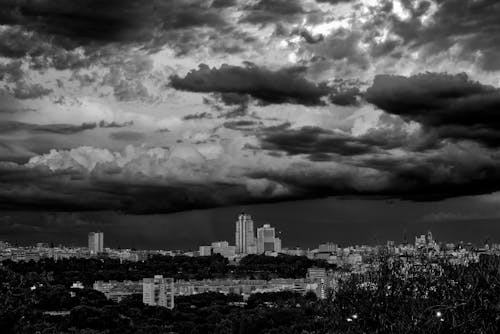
244, 236
96, 242
266, 241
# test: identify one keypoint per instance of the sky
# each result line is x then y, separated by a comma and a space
334, 120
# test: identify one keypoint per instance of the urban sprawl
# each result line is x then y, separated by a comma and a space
161, 291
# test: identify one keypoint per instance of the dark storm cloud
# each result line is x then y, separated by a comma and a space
104, 21
104, 124
426, 177
472, 25
347, 97
42, 189
281, 86
241, 124
273, 11
449, 173
202, 115
223, 3
233, 98
63, 129
453, 105
127, 135
313, 141
49, 32
72, 189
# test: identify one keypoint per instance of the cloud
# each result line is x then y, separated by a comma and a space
342, 45
273, 11
153, 179
62, 129
127, 79
347, 97
25, 91
471, 27
95, 21
321, 144
241, 125
453, 105
127, 135
314, 141
281, 86
202, 115
140, 180
104, 124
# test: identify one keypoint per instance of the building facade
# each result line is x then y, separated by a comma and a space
96, 242
158, 291
266, 239
245, 237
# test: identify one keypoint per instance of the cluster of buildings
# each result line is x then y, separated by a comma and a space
161, 291
246, 241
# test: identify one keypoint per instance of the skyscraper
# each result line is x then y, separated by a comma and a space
96, 242
158, 291
245, 237
266, 239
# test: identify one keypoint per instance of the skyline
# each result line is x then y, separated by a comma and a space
220, 226
162, 117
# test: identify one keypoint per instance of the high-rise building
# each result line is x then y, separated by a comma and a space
245, 236
158, 291
266, 239
96, 242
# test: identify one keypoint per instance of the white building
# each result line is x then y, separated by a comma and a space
245, 236
266, 240
328, 247
158, 291
96, 242
205, 250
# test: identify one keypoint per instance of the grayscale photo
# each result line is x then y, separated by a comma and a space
249, 166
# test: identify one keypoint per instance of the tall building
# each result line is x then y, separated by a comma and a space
96, 242
266, 239
245, 237
158, 291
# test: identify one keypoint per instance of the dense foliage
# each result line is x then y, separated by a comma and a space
430, 298
88, 271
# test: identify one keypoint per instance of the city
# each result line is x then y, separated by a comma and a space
249, 166
339, 263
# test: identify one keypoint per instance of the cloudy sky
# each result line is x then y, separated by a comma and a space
157, 121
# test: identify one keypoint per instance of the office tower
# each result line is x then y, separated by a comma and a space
158, 291
265, 239
96, 242
245, 237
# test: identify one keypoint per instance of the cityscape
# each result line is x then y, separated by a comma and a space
162, 291
249, 166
